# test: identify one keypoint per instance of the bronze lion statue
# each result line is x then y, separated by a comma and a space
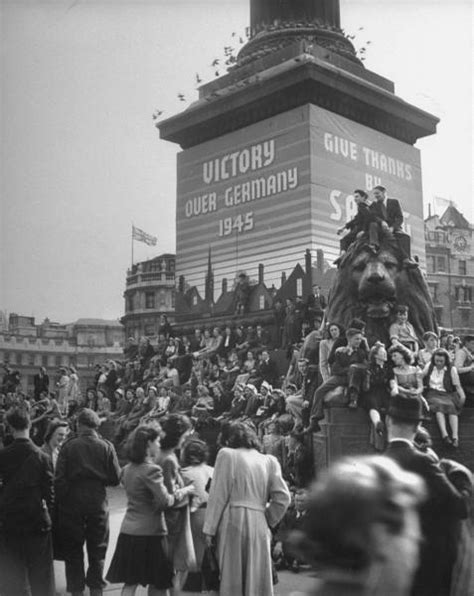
370, 282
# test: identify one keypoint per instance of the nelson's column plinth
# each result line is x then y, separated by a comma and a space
272, 151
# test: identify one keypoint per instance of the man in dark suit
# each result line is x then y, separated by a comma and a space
26, 499
267, 369
444, 505
40, 382
315, 305
360, 222
387, 214
294, 519
386, 211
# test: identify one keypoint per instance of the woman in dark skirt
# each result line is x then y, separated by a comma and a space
375, 399
176, 427
141, 555
444, 394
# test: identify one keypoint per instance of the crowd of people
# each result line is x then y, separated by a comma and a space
162, 401
247, 401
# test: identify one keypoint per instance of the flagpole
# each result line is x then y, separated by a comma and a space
132, 243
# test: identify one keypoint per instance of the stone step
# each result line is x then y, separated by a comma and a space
346, 432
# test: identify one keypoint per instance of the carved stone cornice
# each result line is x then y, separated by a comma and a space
303, 80
271, 38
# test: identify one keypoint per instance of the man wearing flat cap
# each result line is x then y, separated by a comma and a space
443, 507
86, 465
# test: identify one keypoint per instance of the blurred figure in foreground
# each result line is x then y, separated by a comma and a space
444, 506
362, 531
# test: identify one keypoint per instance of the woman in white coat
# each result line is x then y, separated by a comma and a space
248, 496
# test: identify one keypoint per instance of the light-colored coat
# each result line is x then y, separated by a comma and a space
248, 496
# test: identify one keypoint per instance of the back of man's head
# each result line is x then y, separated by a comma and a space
88, 418
398, 427
18, 419
404, 416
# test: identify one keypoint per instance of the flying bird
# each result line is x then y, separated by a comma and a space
215, 62
198, 79
157, 114
181, 97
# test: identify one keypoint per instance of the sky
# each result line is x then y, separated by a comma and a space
80, 156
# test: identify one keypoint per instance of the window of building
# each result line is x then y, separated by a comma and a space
149, 299
299, 287
57, 360
195, 300
463, 293
44, 360
6, 357
31, 359
130, 303
430, 263
441, 264
162, 298
462, 267
433, 292
439, 315
261, 302
149, 330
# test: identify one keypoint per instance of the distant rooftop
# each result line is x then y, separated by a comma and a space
96, 323
454, 218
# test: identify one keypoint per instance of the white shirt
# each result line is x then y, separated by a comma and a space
436, 378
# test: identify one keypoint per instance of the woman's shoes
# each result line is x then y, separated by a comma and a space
448, 442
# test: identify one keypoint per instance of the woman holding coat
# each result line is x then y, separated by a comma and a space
248, 496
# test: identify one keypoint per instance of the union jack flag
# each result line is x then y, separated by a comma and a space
141, 236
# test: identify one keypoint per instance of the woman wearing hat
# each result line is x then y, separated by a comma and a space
444, 394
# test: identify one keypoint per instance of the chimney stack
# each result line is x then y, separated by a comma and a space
260, 273
181, 284
320, 260
224, 285
283, 278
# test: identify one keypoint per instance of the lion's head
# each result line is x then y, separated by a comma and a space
370, 283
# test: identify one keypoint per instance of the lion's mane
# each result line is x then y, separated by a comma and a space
369, 283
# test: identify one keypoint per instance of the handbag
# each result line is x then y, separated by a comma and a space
210, 569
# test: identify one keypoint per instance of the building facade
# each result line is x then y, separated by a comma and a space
450, 269
84, 344
149, 294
